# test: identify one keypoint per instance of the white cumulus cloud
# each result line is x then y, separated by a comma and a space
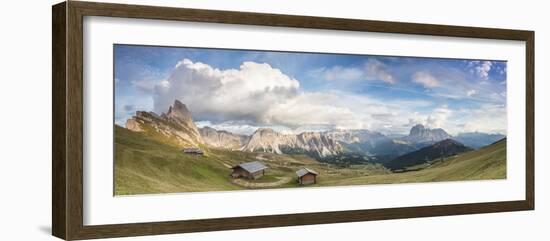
257, 94
376, 70
145, 85
481, 68
246, 93
438, 118
425, 79
372, 70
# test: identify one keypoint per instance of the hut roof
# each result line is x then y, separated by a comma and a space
305, 171
252, 166
192, 150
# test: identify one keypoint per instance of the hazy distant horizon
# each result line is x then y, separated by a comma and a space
241, 90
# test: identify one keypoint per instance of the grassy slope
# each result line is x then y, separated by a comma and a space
146, 164
486, 163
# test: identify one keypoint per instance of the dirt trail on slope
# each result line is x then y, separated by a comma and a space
246, 184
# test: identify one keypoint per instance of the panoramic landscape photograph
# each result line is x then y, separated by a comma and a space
201, 119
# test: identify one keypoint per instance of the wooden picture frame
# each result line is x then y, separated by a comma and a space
67, 150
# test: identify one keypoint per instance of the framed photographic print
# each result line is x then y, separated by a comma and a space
170, 120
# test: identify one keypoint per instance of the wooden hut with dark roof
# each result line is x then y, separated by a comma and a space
193, 151
306, 176
249, 170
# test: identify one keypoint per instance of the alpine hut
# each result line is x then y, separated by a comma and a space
249, 170
306, 176
193, 151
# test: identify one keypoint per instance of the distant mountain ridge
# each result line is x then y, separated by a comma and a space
223, 139
177, 127
441, 149
477, 139
316, 143
355, 136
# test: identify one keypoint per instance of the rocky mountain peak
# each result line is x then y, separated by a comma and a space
179, 111
175, 126
208, 129
264, 130
417, 130
419, 133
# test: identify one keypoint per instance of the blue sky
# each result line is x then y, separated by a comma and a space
241, 90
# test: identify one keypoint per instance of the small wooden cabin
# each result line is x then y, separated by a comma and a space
306, 176
193, 151
249, 170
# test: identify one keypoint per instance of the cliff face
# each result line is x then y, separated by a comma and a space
268, 140
419, 133
222, 139
175, 126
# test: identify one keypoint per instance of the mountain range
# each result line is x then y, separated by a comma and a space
177, 127
318, 144
477, 140
223, 139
